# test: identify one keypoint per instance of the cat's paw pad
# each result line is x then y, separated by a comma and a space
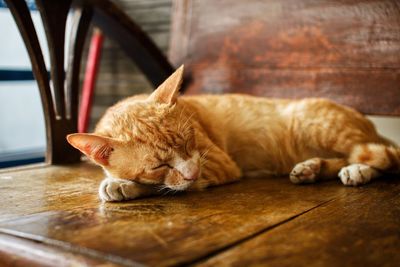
306, 172
117, 190
357, 174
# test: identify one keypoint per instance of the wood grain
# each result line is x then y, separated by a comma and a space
344, 50
44, 188
21, 252
355, 88
359, 229
80, 27
54, 17
59, 207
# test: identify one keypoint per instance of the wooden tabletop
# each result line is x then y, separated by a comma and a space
51, 216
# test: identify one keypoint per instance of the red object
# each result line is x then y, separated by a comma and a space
89, 83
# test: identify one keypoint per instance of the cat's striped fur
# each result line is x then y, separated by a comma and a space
148, 144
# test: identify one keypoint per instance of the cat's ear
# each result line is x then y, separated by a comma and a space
97, 148
168, 91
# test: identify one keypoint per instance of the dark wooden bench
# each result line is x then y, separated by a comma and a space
348, 51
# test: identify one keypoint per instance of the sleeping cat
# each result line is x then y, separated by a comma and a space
148, 143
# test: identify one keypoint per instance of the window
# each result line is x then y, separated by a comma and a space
22, 129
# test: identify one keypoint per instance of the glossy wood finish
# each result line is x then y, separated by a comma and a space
44, 188
358, 229
60, 93
348, 51
22, 252
243, 223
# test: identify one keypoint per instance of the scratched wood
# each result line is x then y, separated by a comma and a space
59, 205
359, 229
348, 51
38, 189
21, 252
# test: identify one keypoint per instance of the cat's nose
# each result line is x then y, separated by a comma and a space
189, 169
192, 174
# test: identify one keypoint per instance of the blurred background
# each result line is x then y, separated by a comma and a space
22, 134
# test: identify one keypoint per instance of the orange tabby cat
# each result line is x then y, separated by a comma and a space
148, 143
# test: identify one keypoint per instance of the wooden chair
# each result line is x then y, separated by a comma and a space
292, 49
348, 51
60, 94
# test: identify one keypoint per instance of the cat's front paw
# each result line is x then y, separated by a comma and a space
112, 189
357, 174
306, 172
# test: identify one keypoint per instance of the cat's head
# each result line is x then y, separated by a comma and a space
150, 142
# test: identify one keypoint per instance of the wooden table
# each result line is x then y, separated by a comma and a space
52, 217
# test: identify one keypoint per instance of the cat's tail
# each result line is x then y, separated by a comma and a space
384, 157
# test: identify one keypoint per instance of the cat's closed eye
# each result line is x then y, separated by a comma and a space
164, 165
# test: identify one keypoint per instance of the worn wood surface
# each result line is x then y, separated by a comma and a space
348, 51
46, 188
17, 252
360, 228
59, 208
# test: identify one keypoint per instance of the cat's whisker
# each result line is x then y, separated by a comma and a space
185, 124
180, 119
203, 156
167, 190
203, 162
163, 189
180, 124
187, 128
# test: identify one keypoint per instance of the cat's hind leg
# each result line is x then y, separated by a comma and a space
357, 174
314, 169
379, 156
369, 161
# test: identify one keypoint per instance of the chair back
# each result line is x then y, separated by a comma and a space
347, 51
60, 91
